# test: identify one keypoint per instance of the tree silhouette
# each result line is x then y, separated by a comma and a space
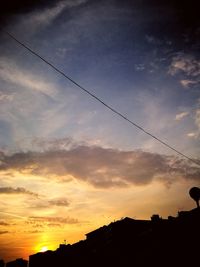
195, 194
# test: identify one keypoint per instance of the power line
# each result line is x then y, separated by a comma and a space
98, 99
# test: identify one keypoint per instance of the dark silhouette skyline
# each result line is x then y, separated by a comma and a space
93, 97
129, 242
17, 263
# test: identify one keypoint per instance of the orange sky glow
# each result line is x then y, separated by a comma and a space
125, 143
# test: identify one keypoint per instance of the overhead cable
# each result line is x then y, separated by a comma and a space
98, 99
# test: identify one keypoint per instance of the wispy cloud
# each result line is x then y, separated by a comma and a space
181, 115
192, 135
197, 118
6, 97
62, 202
60, 220
42, 17
2, 223
18, 190
12, 73
3, 232
12, 215
187, 83
46, 204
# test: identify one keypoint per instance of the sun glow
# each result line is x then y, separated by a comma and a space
43, 249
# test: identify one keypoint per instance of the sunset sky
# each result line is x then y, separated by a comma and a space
68, 165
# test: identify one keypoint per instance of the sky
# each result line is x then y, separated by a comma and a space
68, 165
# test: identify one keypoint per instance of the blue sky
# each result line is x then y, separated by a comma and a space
117, 52
61, 151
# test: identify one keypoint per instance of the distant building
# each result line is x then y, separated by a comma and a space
17, 263
155, 218
63, 247
127, 242
50, 258
42, 259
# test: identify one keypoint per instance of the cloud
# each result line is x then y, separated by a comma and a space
34, 232
181, 115
43, 16
18, 190
187, 83
186, 64
197, 121
139, 67
59, 202
3, 232
60, 220
2, 223
43, 144
45, 204
192, 135
6, 97
196, 134
100, 167
197, 118
11, 73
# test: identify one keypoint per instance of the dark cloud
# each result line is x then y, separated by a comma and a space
3, 232
184, 12
45, 204
10, 7
2, 223
100, 167
33, 232
35, 224
59, 202
41, 222
18, 190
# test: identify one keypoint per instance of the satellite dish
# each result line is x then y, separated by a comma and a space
195, 194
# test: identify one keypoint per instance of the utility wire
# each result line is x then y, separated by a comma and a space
98, 99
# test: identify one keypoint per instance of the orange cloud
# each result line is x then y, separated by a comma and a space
18, 190
100, 167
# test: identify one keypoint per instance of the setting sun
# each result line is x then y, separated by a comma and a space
99, 120
43, 249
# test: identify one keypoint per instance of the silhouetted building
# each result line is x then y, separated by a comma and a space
2, 263
42, 259
155, 218
128, 242
17, 263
